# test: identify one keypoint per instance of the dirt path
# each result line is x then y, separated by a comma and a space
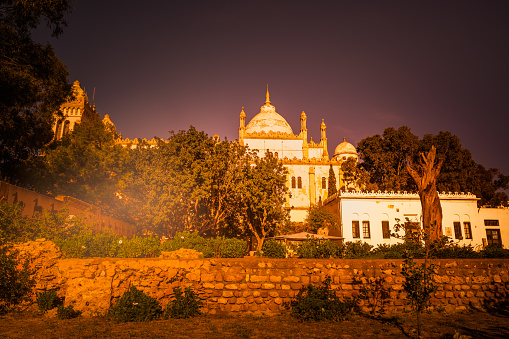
474, 324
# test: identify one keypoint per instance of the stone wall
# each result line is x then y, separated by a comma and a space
257, 285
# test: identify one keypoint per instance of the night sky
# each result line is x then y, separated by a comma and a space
361, 65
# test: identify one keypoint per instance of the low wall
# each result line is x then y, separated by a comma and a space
256, 285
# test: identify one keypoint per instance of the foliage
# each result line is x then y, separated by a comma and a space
385, 156
232, 248
185, 305
494, 252
67, 312
320, 303
419, 285
210, 247
134, 305
333, 187
274, 249
48, 300
86, 164
187, 183
321, 217
357, 249
33, 81
356, 177
138, 247
16, 280
262, 195
376, 295
313, 248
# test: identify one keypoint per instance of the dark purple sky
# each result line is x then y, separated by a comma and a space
360, 65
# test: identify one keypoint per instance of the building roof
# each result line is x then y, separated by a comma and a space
345, 148
268, 120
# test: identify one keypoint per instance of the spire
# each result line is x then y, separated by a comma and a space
267, 98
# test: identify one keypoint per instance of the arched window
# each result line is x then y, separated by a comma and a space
58, 130
299, 182
66, 127
293, 182
275, 155
324, 183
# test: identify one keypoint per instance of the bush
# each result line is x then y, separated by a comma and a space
320, 303
191, 241
185, 305
67, 312
274, 249
356, 250
134, 305
319, 249
16, 280
48, 300
138, 247
232, 248
494, 252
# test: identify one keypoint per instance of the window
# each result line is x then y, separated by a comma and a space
324, 183
275, 155
493, 237
355, 229
365, 229
293, 182
299, 182
457, 230
468, 230
489, 222
412, 231
386, 233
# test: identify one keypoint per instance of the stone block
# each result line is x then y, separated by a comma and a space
207, 277
273, 294
268, 286
291, 279
227, 294
231, 287
296, 286
275, 278
222, 301
219, 286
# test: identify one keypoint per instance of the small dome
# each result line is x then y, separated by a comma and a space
345, 149
268, 120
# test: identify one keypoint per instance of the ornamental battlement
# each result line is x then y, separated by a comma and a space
271, 135
391, 195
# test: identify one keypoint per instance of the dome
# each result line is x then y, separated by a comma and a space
268, 120
345, 149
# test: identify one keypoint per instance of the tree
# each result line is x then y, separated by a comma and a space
33, 81
355, 177
384, 158
86, 164
190, 182
320, 217
262, 196
425, 178
332, 182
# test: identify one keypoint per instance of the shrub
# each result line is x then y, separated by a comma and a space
356, 250
16, 280
191, 241
185, 305
494, 252
319, 249
232, 248
67, 312
48, 300
138, 247
134, 305
274, 249
320, 303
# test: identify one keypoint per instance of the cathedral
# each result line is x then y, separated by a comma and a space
364, 216
307, 162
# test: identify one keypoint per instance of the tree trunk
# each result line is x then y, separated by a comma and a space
426, 178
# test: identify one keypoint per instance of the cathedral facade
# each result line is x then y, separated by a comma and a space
308, 163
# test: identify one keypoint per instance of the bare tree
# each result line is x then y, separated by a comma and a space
426, 179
